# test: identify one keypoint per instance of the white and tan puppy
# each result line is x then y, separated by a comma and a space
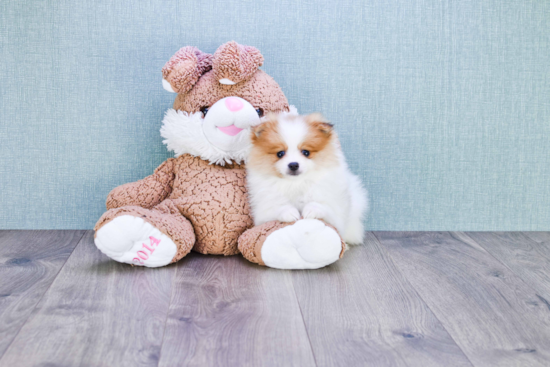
296, 169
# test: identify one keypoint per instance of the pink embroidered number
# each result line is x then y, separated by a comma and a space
144, 255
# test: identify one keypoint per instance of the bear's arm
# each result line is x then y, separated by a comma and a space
147, 192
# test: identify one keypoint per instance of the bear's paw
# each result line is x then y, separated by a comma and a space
129, 239
306, 244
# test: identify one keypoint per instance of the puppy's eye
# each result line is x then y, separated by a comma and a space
281, 154
204, 111
260, 111
305, 152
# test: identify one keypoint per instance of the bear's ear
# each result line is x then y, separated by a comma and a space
183, 69
234, 63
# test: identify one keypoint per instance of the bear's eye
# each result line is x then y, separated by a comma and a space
305, 152
281, 154
260, 111
204, 111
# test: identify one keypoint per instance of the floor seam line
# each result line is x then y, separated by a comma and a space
303, 320
526, 234
42, 296
168, 311
503, 264
382, 247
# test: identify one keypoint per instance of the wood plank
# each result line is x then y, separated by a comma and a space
29, 262
527, 255
97, 312
226, 311
361, 311
494, 317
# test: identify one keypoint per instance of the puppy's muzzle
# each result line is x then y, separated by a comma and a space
293, 168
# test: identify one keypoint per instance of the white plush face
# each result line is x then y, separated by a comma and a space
227, 123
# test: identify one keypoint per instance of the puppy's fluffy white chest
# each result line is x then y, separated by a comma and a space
297, 191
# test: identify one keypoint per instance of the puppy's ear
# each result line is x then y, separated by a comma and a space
257, 131
319, 122
325, 127
269, 123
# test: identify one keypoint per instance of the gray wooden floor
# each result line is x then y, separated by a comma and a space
402, 299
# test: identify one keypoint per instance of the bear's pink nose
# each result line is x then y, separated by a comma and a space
233, 104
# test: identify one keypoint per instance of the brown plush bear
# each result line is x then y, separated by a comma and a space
198, 200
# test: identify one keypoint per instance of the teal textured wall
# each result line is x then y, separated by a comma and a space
443, 107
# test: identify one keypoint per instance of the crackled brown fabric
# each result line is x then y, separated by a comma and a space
261, 90
147, 192
188, 191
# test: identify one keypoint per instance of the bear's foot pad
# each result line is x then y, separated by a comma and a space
129, 239
307, 244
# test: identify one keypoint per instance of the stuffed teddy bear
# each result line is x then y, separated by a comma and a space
198, 200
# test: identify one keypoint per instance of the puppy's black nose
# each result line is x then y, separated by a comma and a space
293, 166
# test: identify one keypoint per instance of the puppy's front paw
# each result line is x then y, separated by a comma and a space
289, 214
314, 211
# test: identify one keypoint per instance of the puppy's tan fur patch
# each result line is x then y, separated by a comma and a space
318, 140
266, 143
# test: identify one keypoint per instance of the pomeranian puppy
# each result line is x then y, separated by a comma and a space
296, 169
